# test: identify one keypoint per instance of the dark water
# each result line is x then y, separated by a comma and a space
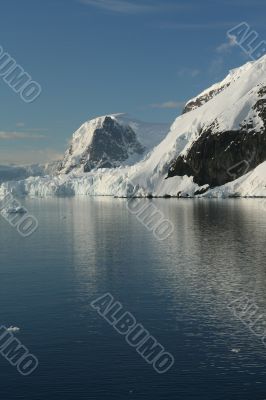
178, 289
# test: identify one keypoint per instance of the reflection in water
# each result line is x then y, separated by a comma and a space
216, 245
178, 288
215, 254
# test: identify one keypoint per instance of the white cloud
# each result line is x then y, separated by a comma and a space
6, 135
168, 105
227, 46
37, 130
120, 6
135, 7
29, 156
217, 64
20, 124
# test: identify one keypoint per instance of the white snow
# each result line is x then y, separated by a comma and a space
13, 329
229, 108
148, 135
233, 75
252, 184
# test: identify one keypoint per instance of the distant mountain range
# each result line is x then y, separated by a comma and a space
19, 172
217, 147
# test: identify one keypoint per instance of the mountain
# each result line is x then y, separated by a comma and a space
19, 172
217, 147
217, 88
231, 139
110, 141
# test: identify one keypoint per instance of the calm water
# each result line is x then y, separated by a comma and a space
178, 289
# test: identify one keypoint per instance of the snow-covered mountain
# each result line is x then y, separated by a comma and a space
217, 88
110, 141
229, 145
216, 148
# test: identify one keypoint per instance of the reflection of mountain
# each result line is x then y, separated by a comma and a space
212, 241
179, 289
102, 236
211, 256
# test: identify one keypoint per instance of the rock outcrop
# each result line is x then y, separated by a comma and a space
218, 157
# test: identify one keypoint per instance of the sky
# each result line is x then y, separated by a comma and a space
96, 57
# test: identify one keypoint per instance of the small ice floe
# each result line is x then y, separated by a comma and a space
235, 350
16, 210
13, 329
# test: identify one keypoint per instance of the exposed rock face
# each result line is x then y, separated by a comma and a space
218, 157
102, 143
204, 98
111, 141
111, 145
216, 89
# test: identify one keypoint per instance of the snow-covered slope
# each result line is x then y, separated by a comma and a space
110, 141
217, 88
226, 125
231, 138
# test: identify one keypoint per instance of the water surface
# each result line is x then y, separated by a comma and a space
178, 289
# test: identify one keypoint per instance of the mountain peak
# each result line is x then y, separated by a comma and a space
233, 75
109, 141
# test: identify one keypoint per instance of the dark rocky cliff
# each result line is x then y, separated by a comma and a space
218, 157
111, 144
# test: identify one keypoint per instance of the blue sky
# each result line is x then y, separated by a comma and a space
94, 57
